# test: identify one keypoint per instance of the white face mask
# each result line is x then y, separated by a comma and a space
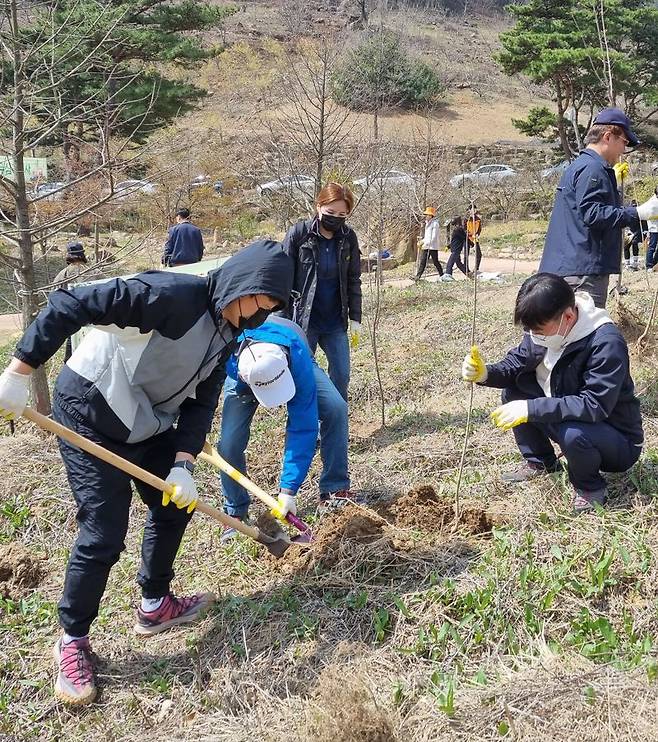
551, 342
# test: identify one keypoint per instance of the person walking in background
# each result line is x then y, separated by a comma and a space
457, 245
652, 229
77, 270
327, 280
184, 243
584, 238
633, 238
473, 228
431, 243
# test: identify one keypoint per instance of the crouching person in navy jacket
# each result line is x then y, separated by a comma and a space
274, 366
568, 381
155, 357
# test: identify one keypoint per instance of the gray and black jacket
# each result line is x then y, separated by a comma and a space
301, 243
158, 347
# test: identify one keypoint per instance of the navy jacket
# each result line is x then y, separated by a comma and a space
184, 245
157, 351
591, 382
301, 243
584, 233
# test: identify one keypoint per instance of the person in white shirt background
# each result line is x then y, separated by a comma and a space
431, 243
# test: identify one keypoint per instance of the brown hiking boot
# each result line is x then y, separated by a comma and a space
528, 471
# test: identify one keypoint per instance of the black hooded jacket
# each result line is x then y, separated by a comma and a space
157, 346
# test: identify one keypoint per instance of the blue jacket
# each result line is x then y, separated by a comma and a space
302, 426
184, 245
591, 382
584, 233
157, 351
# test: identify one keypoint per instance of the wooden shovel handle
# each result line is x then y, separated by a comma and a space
128, 467
211, 455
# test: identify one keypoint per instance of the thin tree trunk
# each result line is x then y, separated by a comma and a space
29, 302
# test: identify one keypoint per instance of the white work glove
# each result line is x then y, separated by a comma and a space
355, 333
474, 369
184, 494
511, 414
14, 392
649, 209
285, 504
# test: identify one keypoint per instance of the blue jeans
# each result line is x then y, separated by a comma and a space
237, 414
589, 448
336, 347
651, 250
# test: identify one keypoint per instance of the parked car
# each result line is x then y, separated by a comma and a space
303, 185
388, 178
484, 175
555, 171
50, 191
132, 187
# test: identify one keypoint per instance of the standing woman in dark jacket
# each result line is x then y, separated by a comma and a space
328, 280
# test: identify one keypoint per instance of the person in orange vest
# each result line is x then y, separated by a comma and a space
431, 243
473, 227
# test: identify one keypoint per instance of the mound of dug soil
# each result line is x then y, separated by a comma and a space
337, 538
20, 571
421, 508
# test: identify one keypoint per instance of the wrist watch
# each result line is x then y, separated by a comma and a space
184, 465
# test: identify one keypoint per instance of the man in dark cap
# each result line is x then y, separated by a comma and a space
583, 242
77, 270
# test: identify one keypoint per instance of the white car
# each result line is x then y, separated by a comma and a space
484, 175
50, 191
291, 184
388, 178
555, 171
131, 187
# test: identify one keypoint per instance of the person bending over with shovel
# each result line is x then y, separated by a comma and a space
275, 366
155, 357
569, 382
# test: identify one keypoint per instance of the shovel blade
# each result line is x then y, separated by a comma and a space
276, 545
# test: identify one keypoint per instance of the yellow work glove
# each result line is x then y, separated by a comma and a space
474, 369
184, 493
511, 414
622, 171
355, 334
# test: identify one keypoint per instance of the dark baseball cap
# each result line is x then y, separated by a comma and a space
615, 116
76, 251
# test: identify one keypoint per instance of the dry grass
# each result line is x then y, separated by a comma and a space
404, 625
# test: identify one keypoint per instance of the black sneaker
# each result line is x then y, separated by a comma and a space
528, 471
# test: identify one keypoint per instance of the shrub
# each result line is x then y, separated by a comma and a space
380, 74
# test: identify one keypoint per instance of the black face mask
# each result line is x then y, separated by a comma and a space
256, 319
331, 222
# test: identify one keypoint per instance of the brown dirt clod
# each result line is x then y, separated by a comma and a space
423, 509
347, 528
20, 571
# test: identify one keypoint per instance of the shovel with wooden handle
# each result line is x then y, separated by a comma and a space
211, 455
275, 545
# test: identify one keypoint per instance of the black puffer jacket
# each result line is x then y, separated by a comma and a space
301, 243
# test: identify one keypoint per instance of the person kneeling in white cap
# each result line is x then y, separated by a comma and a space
274, 366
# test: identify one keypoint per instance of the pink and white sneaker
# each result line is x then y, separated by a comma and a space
74, 684
171, 612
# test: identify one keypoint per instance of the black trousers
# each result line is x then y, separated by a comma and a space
103, 495
424, 254
478, 255
455, 259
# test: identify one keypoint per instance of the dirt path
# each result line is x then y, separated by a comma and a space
489, 265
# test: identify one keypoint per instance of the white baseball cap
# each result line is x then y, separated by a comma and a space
264, 367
